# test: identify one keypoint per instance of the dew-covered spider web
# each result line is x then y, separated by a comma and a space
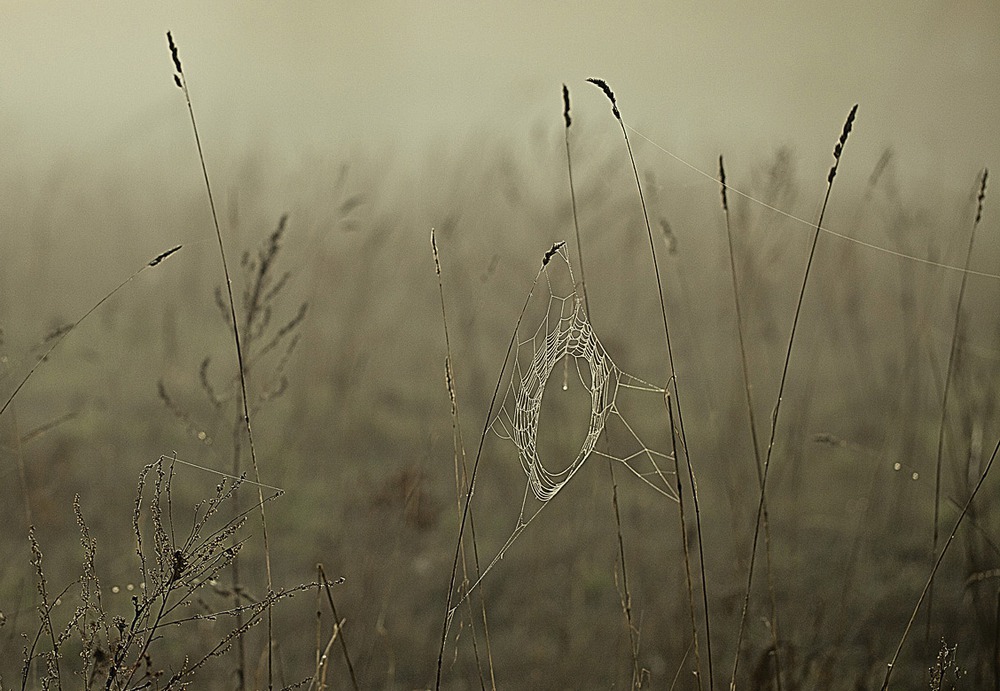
565, 345
554, 338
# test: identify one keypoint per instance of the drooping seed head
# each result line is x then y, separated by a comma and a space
603, 86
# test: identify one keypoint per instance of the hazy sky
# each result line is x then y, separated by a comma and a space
697, 77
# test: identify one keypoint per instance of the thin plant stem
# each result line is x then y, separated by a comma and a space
601, 84
236, 566
336, 617
181, 83
64, 332
633, 643
837, 151
996, 646
747, 389
890, 667
461, 478
949, 371
572, 197
693, 481
626, 593
684, 538
449, 610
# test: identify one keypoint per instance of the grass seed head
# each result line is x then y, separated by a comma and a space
722, 181
173, 53
437, 258
566, 117
603, 86
839, 148
552, 251
163, 255
982, 195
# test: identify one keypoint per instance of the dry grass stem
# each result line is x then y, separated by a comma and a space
626, 595
181, 82
837, 151
949, 371
601, 84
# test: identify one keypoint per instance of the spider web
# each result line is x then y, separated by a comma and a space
565, 339
563, 342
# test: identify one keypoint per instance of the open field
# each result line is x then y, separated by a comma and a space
354, 423
537, 405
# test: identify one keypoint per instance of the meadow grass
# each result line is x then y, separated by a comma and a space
181, 81
352, 398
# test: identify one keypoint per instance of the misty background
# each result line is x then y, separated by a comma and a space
406, 77
369, 123
406, 91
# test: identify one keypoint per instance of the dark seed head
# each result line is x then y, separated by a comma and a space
173, 53
982, 195
569, 120
839, 148
160, 257
603, 86
552, 251
722, 180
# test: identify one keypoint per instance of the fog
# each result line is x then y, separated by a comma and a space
403, 77
368, 123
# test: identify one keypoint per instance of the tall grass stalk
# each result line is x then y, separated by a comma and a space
996, 646
449, 610
54, 339
837, 151
338, 624
568, 120
181, 82
461, 481
890, 667
57, 337
684, 539
601, 84
627, 598
952, 352
747, 389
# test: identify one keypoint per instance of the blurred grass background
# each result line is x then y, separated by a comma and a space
361, 438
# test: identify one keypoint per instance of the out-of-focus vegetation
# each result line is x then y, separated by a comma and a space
359, 436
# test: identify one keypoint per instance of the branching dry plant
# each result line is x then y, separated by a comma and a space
268, 345
179, 575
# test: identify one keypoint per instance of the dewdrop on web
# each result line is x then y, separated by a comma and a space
897, 466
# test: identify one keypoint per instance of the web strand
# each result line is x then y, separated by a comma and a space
564, 338
810, 224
